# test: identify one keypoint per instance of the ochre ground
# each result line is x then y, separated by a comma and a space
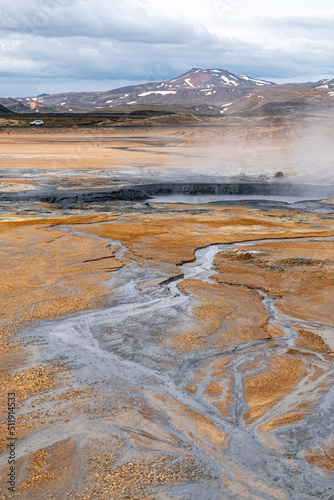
301, 148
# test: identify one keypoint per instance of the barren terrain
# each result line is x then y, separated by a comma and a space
167, 350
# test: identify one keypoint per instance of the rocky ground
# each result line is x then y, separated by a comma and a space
163, 350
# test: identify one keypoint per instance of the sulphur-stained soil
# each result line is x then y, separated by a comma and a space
161, 350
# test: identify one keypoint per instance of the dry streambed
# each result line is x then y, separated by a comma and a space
198, 373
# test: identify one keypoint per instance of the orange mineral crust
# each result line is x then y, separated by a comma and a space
46, 273
173, 236
220, 321
264, 390
288, 270
322, 457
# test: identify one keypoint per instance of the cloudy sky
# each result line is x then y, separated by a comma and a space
64, 45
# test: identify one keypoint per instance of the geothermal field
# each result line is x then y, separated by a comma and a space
167, 321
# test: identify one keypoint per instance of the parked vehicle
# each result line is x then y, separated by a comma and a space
37, 122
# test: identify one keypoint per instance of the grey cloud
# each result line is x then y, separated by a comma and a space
85, 42
125, 21
82, 57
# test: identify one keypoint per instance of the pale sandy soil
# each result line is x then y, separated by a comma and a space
303, 151
217, 385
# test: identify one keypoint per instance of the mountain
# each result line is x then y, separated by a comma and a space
207, 78
325, 84
286, 99
4, 110
199, 91
27, 105
198, 86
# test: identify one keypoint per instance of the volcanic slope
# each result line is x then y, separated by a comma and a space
197, 85
4, 111
199, 91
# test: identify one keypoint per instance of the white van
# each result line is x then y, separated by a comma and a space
37, 122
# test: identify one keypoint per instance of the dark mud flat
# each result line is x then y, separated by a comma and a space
271, 202
237, 190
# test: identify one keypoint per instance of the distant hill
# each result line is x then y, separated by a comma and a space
199, 91
195, 86
5, 111
28, 105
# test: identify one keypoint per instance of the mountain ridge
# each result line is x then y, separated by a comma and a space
215, 91
151, 92
5, 111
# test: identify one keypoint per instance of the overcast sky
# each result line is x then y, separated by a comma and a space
84, 45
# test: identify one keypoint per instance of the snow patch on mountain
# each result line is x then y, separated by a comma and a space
254, 80
188, 82
228, 81
162, 92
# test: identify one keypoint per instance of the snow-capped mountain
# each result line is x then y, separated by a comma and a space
198, 78
325, 84
199, 91
201, 86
